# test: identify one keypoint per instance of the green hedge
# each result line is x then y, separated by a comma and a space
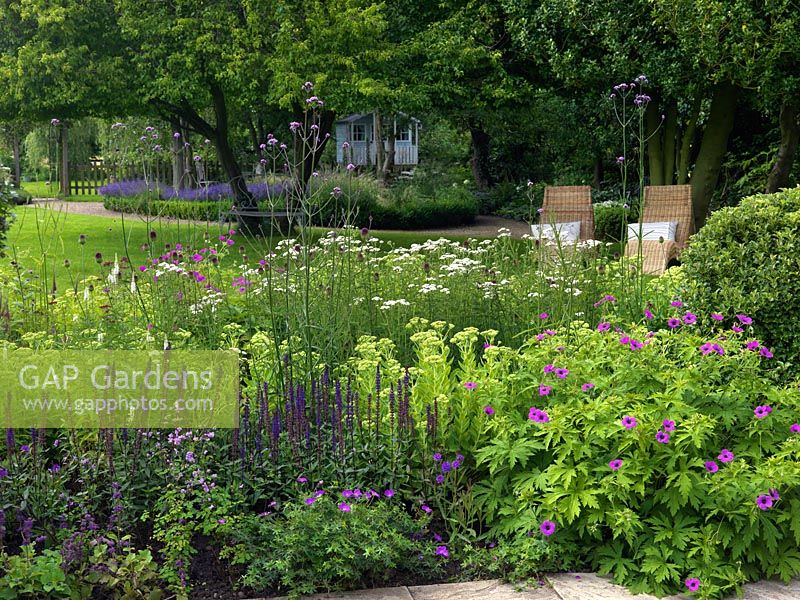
362, 203
174, 209
746, 259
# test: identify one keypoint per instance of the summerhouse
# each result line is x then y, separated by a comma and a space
358, 130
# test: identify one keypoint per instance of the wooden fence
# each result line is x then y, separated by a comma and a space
86, 179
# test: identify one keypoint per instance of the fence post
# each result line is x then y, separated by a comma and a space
64, 159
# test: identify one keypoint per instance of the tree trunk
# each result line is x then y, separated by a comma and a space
670, 136
17, 160
391, 150
64, 134
597, 177
687, 142
480, 162
379, 152
655, 149
311, 162
177, 157
790, 137
712, 149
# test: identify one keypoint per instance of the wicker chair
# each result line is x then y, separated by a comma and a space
565, 204
671, 203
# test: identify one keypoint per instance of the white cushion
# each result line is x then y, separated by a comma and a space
653, 231
566, 232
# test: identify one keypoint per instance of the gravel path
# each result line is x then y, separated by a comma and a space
484, 226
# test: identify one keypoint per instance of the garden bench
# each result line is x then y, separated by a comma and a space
280, 219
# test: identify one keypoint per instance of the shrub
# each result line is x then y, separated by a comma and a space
700, 433
747, 259
194, 210
610, 220
362, 203
327, 542
216, 192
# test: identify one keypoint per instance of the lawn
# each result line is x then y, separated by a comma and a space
43, 189
44, 238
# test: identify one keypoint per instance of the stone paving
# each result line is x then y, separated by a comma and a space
561, 586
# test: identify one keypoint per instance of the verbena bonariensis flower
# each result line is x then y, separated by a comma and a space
547, 527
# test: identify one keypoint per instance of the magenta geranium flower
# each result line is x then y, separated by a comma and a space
548, 528
426, 509
587, 386
762, 411
765, 352
673, 323
774, 494
752, 345
736, 329
629, 422
470, 385
689, 318
676, 303
717, 316
344, 507
711, 466
636, 345
538, 416
744, 319
625, 340
543, 316
668, 425
662, 437
692, 584
442, 551
488, 410
549, 368
725, 456
615, 464
545, 390
562, 373
764, 502
648, 314
794, 428
603, 326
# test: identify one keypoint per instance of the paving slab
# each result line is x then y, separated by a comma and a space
771, 590
477, 590
588, 586
392, 593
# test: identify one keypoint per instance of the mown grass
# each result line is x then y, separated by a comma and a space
43, 189
47, 240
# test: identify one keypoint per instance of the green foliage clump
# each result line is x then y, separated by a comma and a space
193, 210
747, 259
361, 202
610, 221
700, 432
316, 545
